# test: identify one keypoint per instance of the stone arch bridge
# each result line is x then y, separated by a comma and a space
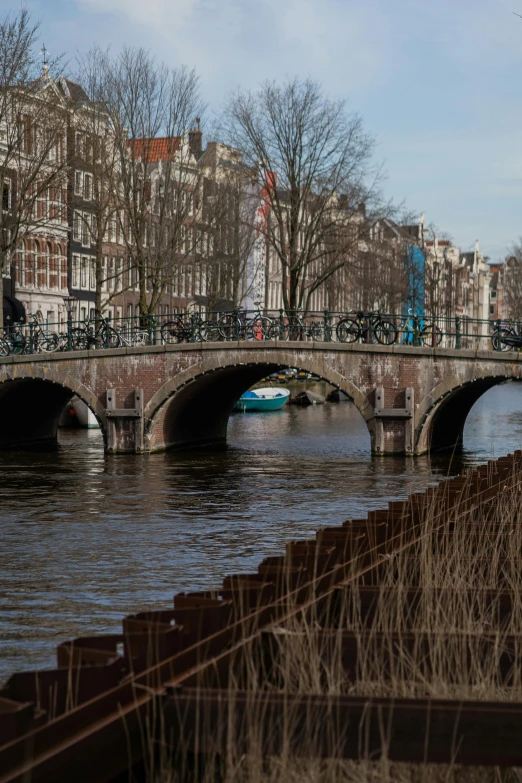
147, 399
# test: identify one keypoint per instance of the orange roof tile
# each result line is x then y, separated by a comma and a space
154, 150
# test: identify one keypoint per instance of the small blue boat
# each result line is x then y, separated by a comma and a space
269, 399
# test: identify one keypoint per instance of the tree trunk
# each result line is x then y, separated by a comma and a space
143, 289
99, 284
3, 265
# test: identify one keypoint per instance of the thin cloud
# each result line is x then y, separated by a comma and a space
438, 83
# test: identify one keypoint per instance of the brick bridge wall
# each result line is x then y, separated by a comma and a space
152, 398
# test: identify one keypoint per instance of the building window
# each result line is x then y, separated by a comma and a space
112, 272
84, 272
78, 183
48, 262
51, 144
75, 277
35, 263
86, 234
25, 130
87, 187
92, 276
112, 229
6, 194
119, 274
493, 294
492, 309
78, 143
76, 227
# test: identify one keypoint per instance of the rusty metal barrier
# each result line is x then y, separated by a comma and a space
186, 672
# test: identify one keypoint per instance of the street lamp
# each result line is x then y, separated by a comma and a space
70, 304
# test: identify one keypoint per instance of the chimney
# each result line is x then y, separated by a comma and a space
196, 140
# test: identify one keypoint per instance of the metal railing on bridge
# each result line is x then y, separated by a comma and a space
407, 330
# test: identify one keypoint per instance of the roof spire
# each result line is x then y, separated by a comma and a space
45, 62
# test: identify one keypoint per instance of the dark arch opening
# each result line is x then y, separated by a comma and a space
446, 428
197, 414
30, 409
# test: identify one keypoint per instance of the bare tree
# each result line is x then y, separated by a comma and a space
440, 274
315, 161
512, 281
151, 109
33, 159
98, 150
227, 229
380, 276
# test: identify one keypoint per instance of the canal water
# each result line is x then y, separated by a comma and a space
86, 539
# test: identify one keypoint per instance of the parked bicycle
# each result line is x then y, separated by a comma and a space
30, 338
236, 326
189, 327
133, 335
96, 333
366, 327
413, 330
505, 337
297, 326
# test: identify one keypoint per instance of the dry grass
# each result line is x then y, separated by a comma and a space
459, 636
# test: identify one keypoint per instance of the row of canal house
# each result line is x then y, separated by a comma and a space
201, 240
92, 233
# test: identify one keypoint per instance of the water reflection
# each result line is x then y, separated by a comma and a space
86, 538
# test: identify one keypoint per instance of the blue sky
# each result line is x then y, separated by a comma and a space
439, 84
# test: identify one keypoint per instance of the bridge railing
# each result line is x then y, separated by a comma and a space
407, 330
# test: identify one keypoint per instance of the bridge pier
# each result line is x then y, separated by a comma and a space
124, 425
394, 431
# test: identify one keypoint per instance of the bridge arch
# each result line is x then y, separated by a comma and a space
31, 406
193, 408
442, 414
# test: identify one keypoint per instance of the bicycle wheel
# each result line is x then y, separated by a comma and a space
270, 328
229, 327
348, 330
80, 340
293, 331
139, 337
17, 343
258, 329
110, 338
173, 332
431, 335
385, 333
315, 331
497, 338
209, 332
4, 347
48, 342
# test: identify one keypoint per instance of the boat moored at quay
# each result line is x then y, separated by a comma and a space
266, 399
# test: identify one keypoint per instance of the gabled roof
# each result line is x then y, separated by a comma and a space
155, 150
72, 91
468, 258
